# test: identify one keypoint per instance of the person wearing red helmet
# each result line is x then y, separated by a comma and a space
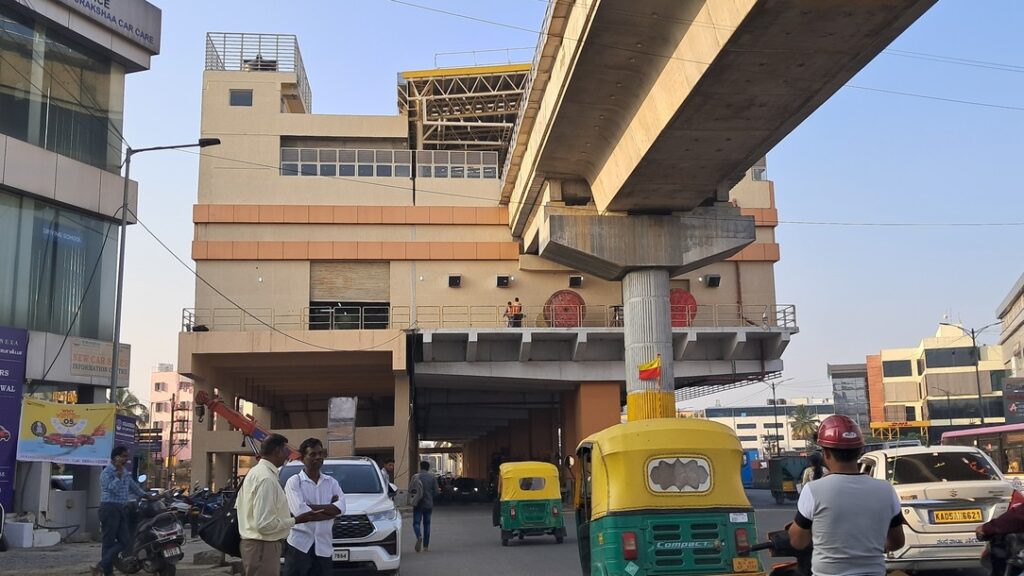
851, 519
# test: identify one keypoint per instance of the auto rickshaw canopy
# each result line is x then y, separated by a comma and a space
529, 481
663, 464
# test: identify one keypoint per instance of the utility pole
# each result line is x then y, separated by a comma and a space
977, 359
170, 444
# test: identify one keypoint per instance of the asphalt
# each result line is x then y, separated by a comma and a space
463, 543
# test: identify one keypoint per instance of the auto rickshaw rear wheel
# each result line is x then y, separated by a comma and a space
505, 536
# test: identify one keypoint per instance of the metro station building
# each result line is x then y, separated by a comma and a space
375, 256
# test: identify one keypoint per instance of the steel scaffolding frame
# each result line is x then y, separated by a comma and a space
463, 108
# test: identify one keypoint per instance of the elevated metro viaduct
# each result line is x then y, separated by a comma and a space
639, 121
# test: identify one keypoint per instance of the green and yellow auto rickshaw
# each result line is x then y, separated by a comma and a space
663, 497
530, 501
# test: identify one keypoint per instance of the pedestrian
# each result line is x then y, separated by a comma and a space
813, 472
851, 519
508, 315
117, 488
389, 467
309, 550
263, 516
422, 489
517, 313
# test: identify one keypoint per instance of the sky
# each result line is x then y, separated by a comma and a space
864, 157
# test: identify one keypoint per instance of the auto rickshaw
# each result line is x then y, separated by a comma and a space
663, 496
529, 502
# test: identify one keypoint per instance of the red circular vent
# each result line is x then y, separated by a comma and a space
565, 309
684, 307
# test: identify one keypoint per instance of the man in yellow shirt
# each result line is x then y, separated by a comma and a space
264, 519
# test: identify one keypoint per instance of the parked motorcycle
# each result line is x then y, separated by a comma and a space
157, 537
778, 545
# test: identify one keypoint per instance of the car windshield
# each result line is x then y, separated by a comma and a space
464, 483
939, 467
353, 478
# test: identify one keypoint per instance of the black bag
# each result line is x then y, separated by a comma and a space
221, 530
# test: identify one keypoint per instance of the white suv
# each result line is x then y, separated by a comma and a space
945, 493
368, 536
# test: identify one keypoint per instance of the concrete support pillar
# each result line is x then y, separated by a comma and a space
648, 336
221, 469
405, 443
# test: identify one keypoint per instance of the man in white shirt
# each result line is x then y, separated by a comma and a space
309, 549
263, 516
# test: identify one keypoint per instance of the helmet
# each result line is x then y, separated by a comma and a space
839, 432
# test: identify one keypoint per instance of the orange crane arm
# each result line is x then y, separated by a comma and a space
250, 430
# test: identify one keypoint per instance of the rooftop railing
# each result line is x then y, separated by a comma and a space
245, 52
401, 317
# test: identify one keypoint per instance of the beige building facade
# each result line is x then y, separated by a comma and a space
935, 384
170, 408
372, 256
1011, 318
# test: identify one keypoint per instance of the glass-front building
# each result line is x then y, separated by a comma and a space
57, 94
850, 392
53, 262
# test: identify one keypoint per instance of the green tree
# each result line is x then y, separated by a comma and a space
803, 423
129, 405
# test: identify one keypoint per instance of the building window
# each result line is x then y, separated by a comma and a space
160, 387
240, 98
386, 163
58, 95
51, 253
160, 407
897, 368
184, 386
759, 174
748, 438
746, 426
773, 425
949, 357
911, 414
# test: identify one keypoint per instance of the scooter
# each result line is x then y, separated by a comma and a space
157, 537
778, 545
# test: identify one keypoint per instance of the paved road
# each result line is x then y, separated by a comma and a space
464, 544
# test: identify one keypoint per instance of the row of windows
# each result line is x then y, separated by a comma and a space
161, 407
388, 163
934, 358
753, 426
162, 386
783, 410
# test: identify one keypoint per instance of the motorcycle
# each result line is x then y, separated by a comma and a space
779, 546
157, 537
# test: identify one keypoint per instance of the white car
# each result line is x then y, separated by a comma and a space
946, 492
368, 536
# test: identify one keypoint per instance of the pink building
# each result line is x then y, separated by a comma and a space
168, 390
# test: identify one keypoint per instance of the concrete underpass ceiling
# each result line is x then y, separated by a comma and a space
781, 62
464, 414
263, 378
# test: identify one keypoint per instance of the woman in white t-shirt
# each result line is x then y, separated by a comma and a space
815, 471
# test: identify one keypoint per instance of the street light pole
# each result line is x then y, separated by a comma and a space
119, 290
775, 412
977, 360
949, 407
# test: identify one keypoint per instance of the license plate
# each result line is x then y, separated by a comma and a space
745, 565
956, 516
173, 551
340, 556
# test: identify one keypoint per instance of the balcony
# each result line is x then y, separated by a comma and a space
242, 52
710, 316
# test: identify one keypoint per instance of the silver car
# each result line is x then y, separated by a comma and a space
946, 492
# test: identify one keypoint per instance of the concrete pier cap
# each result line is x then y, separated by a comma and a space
610, 246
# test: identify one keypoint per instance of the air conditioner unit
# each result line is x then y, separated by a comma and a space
575, 281
455, 280
504, 280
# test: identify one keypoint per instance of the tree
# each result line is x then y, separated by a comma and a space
803, 424
129, 405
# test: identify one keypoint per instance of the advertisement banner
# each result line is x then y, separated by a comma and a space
1013, 400
66, 433
13, 351
93, 358
125, 432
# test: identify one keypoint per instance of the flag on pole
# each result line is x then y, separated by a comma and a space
651, 370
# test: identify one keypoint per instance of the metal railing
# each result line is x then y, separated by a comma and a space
535, 65
249, 52
403, 317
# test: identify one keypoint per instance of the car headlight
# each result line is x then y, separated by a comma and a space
456, 489
476, 489
382, 516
